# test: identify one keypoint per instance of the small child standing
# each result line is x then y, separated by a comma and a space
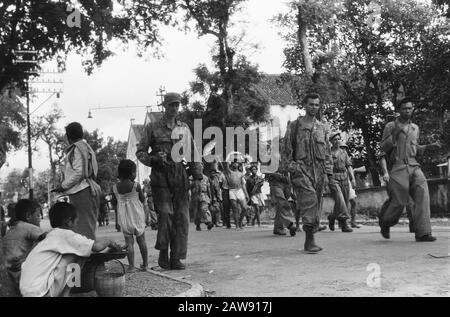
45, 271
22, 237
129, 199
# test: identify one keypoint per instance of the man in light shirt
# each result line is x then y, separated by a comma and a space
45, 271
80, 171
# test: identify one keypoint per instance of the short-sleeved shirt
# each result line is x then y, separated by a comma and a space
404, 149
158, 136
39, 267
308, 146
341, 161
18, 242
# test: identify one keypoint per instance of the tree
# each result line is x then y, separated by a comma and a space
54, 28
384, 41
13, 184
108, 157
212, 17
11, 121
45, 128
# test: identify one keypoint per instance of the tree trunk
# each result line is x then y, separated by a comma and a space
371, 158
304, 44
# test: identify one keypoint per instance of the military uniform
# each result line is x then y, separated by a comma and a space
217, 180
170, 185
340, 188
202, 200
406, 178
280, 191
307, 152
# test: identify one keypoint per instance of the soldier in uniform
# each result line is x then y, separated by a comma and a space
170, 182
399, 148
202, 201
280, 191
340, 190
308, 153
217, 181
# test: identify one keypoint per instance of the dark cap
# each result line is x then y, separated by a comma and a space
171, 97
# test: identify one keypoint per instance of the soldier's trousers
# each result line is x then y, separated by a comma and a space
216, 212
405, 183
340, 191
226, 208
202, 213
172, 207
279, 195
309, 192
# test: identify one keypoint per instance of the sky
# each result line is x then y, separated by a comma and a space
126, 80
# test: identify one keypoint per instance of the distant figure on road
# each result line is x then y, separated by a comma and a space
237, 191
340, 190
399, 148
254, 184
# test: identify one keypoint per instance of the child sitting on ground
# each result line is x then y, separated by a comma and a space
45, 271
129, 198
22, 237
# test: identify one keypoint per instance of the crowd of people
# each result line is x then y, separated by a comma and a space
219, 194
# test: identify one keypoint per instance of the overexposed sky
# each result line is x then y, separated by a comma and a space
127, 80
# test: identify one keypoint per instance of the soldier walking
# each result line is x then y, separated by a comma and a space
399, 148
340, 190
308, 153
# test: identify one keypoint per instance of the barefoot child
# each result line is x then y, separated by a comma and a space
129, 198
45, 271
22, 237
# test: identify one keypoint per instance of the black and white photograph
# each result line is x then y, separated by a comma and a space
226, 154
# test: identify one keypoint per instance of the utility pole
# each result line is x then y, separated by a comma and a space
19, 54
20, 60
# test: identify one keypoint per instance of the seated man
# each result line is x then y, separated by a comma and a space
45, 272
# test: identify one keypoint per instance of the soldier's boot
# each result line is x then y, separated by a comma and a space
198, 228
176, 264
331, 223
353, 221
209, 225
163, 259
385, 232
279, 232
310, 243
344, 226
292, 229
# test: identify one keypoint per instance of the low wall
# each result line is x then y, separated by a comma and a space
370, 200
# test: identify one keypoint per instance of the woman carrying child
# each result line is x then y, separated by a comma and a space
129, 198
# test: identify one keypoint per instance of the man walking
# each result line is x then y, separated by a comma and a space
280, 191
170, 182
307, 151
340, 190
399, 148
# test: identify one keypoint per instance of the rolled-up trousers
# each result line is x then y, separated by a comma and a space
340, 191
406, 183
309, 189
279, 195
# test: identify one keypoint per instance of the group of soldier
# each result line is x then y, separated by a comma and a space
311, 158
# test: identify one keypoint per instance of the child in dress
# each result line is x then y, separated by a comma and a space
45, 271
22, 237
129, 199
